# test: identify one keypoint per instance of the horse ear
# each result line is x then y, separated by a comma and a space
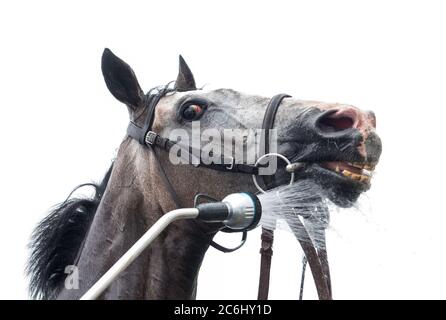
121, 80
185, 80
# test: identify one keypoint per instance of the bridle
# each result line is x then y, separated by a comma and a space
315, 256
149, 138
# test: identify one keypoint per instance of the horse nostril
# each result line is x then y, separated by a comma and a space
336, 121
337, 124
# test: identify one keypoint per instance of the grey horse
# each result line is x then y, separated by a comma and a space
337, 143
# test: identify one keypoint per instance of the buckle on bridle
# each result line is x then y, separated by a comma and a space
150, 138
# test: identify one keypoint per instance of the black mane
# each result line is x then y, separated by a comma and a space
57, 239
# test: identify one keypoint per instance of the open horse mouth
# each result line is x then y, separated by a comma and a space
339, 148
341, 181
361, 172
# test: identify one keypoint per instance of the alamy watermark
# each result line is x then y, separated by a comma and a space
223, 146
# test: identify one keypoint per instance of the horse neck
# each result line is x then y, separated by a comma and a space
133, 201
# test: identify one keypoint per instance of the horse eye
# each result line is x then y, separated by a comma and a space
191, 112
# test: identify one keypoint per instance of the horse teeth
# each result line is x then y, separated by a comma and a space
347, 173
337, 169
357, 177
365, 179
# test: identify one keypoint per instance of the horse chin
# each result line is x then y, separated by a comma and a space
340, 189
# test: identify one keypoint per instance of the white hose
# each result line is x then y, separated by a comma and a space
102, 284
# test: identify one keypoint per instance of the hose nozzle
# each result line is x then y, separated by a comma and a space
237, 211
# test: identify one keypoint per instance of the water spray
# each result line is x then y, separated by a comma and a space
237, 211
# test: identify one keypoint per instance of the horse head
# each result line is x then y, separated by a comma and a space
337, 143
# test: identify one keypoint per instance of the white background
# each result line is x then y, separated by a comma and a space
60, 126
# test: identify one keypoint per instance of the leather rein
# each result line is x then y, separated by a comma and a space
316, 257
